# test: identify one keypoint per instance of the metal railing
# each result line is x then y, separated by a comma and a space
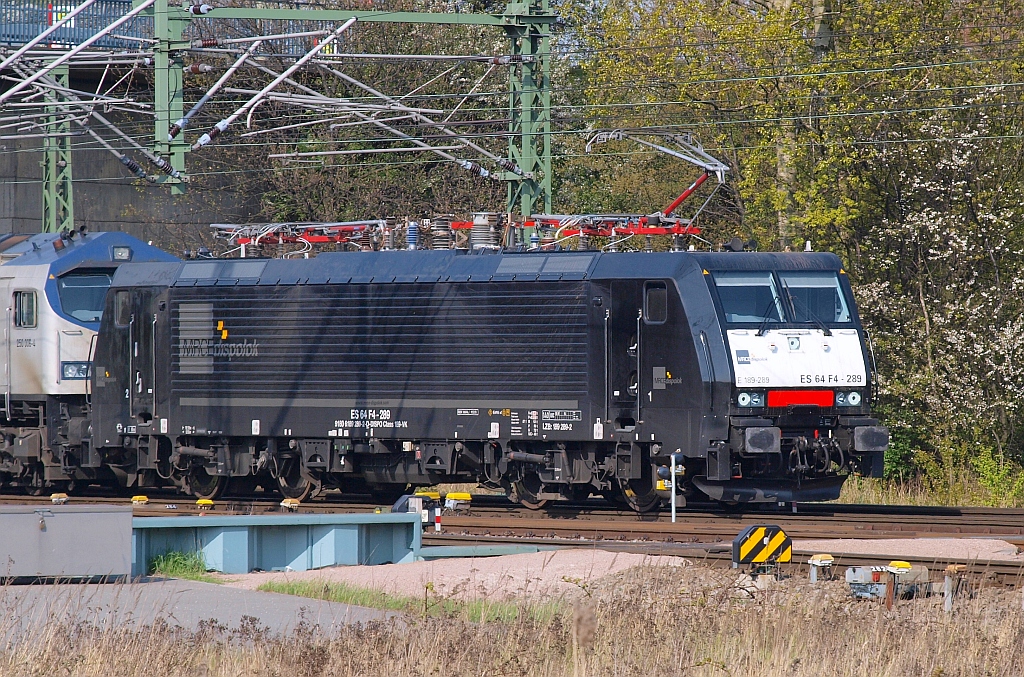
22, 20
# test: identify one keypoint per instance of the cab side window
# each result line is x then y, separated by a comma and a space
655, 302
122, 309
25, 309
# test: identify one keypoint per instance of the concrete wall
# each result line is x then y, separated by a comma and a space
108, 197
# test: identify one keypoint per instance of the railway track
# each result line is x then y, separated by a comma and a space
700, 533
982, 572
494, 515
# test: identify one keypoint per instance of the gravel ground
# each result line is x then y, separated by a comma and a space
550, 574
564, 574
895, 548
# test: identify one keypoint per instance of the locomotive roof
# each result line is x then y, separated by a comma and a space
456, 266
88, 250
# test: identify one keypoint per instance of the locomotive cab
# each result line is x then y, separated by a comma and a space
54, 288
800, 400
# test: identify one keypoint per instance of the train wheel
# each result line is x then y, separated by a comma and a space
640, 494
614, 496
525, 492
640, 501
291, 483
202, 484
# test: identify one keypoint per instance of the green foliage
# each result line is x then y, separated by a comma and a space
431, 604
1002, 478
186, 565
893, 140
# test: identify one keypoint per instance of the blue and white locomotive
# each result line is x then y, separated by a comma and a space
53, 289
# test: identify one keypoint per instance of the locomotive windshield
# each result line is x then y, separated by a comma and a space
798, 297
82, 295
816, 297
749, 297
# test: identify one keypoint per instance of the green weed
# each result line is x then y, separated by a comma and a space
186, 565
431, 604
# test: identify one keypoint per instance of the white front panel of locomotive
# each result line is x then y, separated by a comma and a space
37, 353
797, 358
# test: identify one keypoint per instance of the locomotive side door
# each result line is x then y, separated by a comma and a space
141, 356
624, 352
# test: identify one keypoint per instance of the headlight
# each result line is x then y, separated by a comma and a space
750, 400
850, 399
75, 370
122, 254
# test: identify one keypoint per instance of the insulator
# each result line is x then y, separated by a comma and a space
412, 235
133, 166
584, 242
511, 59
176, 129
198, 68
366, 241
208, 137
200, 43
474, 167
677, 243
196, 10
441, 233
509, 166
165, 166
534, 240
484, 233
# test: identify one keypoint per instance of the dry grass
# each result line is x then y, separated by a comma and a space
689, 621
958, 491
469, 488
886, 492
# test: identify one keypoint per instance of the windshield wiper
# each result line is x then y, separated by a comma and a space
812, 318
763, 327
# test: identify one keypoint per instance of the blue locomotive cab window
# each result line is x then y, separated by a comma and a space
749, 297
82, 295
816, 297
25, 309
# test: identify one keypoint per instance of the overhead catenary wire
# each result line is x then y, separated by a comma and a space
157, 161
183, 122
378, 123
751, 120
362, 151
128, 162
223, 124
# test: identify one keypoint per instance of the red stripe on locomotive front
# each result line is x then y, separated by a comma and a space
785, 398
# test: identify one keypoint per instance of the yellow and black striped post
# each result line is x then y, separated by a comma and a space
762, 544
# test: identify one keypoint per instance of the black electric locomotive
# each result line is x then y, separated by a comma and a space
552, 375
